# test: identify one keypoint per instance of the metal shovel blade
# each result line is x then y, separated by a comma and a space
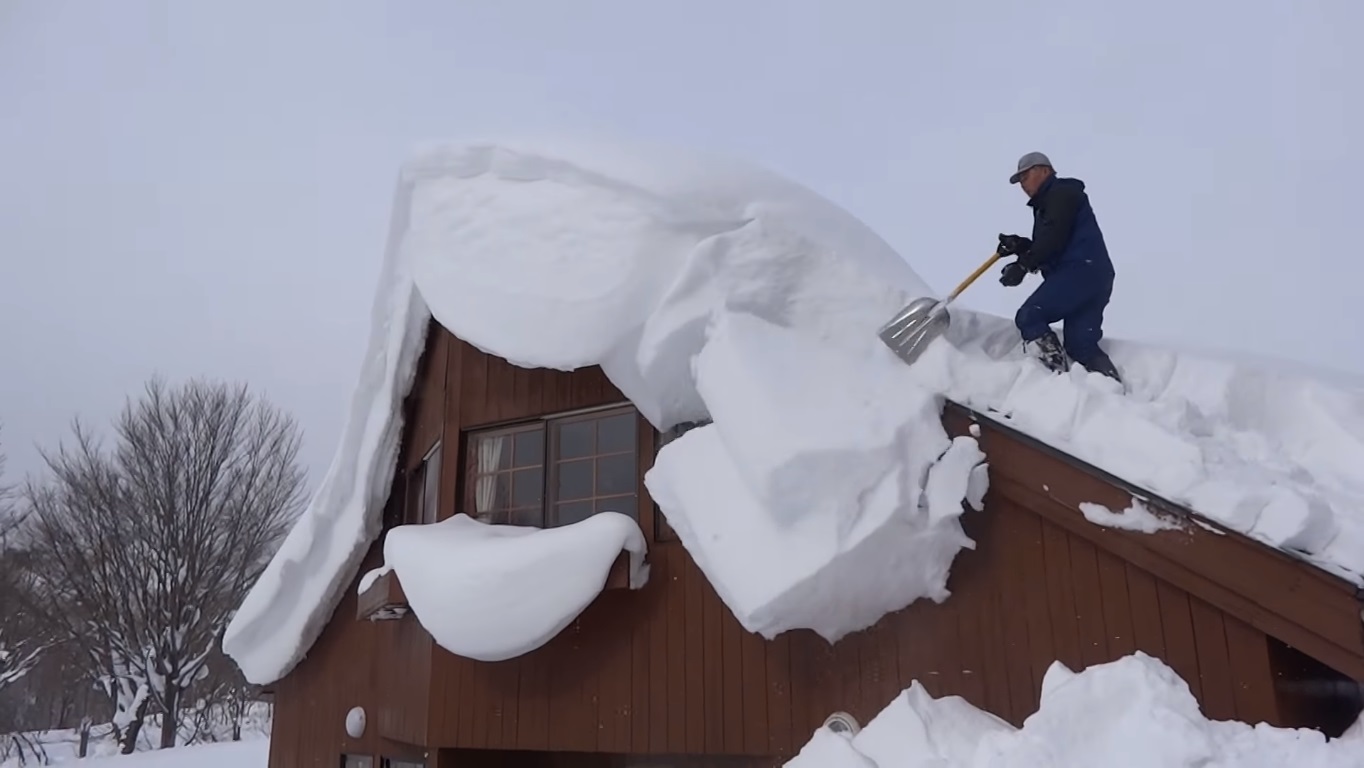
914, 328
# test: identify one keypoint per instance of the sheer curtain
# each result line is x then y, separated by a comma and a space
485, 490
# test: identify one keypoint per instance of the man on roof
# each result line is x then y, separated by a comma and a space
1068, 249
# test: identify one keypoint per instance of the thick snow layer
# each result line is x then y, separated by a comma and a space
673, 271
494, 592
1134, 712
1266, 452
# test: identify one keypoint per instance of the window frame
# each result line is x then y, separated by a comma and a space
421, 489
549, 426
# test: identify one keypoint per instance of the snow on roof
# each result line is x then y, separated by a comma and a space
709, 289
1135, 710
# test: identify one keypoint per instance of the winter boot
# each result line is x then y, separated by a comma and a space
1104, 365
1047, 348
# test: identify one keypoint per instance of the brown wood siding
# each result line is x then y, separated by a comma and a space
381, 666
667, 670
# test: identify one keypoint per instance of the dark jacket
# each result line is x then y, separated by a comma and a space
1065, 231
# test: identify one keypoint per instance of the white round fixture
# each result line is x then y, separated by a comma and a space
355, 722
842, 724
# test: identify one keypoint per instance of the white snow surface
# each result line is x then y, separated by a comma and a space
494, 592
1131, 713
709, 289
1136, 517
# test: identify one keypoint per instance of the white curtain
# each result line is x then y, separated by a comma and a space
485, 489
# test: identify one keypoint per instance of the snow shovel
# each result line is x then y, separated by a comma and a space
923, 320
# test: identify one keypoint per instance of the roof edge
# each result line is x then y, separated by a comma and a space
1284, 596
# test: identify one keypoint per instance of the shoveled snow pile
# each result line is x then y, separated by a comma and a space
494, 592
706, 290
1134, 712
1269, 453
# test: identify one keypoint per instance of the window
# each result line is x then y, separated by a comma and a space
555, 471
393, 763
663, 531
357, 761
423, 489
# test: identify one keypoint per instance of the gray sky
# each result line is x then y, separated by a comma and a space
203, 188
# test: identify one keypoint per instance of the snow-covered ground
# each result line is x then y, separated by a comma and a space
1134, 712
825, 493
253, 753
61, 746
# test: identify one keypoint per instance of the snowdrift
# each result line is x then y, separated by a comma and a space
824, 492
1133, 712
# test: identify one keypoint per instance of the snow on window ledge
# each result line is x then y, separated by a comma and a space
495, 592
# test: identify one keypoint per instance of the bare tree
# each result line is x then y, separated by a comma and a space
21, 643
146, 549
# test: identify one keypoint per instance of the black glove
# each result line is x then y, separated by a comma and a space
1012, 274
1014, 245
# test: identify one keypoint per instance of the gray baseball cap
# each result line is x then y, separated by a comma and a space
1030, 160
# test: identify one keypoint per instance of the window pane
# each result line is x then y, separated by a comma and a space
530, 448
528, 485
491, 454
531, 516
357, 761
575, 480
490, 494
616, 433
616, 474
567, 514
576, 439
622, 504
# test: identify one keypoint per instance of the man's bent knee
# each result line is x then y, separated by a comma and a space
1031, 321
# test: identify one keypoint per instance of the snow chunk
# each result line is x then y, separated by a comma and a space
1137, 517
1135, 708
783, 505
494, 592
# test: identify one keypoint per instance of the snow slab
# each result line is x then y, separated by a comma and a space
1134, 712
667, 267
494, 592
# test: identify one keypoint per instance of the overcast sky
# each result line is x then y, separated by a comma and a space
203, 188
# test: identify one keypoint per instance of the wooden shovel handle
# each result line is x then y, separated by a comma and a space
972, 278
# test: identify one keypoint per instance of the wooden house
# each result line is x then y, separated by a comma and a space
665, 675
